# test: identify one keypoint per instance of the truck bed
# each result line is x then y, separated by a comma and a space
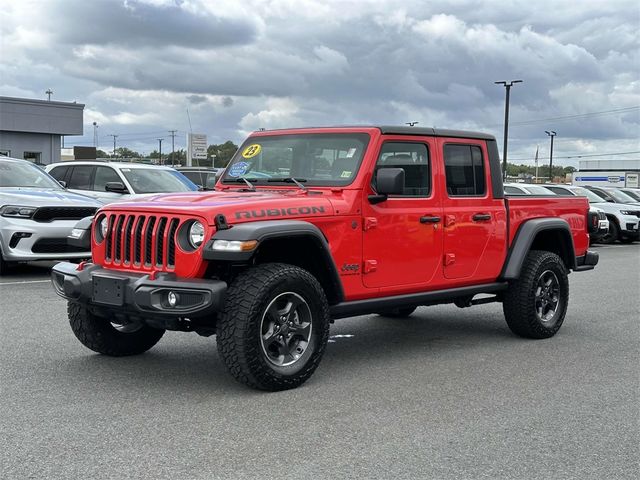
572, 209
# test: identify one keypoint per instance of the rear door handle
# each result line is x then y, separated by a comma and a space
481, 217
428, 219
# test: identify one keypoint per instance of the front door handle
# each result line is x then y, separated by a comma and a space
428, 219
481, 217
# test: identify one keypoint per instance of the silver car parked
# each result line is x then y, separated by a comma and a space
37, 214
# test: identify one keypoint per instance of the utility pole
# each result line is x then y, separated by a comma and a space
49, 92
160, 148
114, 144
173, 149
507, 86
551, 134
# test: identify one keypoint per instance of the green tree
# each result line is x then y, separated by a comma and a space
222, 153
102, 154
124, 152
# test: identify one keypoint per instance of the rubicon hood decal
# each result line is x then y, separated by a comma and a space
280, 212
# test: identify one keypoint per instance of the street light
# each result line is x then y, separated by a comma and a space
551, 134
95, 134
507, 86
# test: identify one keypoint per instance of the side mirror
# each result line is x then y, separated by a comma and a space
389, 181
62, 183
611, 200
116, 187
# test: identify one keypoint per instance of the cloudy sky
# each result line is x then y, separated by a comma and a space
227, 67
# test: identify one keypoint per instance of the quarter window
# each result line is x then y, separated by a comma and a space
59, 173
464, 170
413, 158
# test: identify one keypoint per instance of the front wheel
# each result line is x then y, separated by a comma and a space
116, 340
536, 303
274, 328
612, 235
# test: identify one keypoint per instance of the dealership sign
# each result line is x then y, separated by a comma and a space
196, 147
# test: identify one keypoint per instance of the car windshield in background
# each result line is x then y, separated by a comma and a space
25, 175
583, 192
537, 190
621, 197
157, 180
632, 194
316, 159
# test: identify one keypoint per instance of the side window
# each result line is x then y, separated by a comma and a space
103, 176
81, 177
413, 158
464, 170
59, 172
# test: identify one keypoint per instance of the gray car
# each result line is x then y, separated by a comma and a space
37, 214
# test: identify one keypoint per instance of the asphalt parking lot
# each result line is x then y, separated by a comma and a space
447, 393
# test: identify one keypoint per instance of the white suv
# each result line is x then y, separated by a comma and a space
623, 219
116, 181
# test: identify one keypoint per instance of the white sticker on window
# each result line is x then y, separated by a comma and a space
350, 153
346, 174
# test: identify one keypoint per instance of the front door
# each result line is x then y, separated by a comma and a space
402, 240
471, 215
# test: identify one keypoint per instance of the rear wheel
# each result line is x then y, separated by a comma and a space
535, 305
116, 340
274, 328
402, 312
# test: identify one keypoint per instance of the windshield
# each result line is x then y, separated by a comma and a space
633, 194
538, 190
25, 175
317, 159
583, 192
157, 180
621, 197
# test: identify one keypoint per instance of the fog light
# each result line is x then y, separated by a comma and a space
172, 298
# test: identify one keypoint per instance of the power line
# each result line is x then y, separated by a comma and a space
586, 155
575, 116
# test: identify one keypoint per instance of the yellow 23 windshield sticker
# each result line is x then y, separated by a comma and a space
251, 151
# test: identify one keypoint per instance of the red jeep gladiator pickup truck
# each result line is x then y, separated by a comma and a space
310, 225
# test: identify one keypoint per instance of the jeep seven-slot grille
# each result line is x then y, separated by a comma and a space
141, 241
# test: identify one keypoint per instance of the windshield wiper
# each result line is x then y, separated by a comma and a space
243, 180
297, 181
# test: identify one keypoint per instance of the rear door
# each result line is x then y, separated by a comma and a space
472, 217
402, 240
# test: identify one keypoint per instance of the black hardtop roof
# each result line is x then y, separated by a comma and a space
405, 130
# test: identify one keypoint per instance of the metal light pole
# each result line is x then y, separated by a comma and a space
551, 134
49, 92
160, 149
507, 86
95, 134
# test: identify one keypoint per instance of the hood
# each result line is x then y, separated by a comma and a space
611, 207
237, 207
31, 197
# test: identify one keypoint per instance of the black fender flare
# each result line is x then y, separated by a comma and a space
525, 237
83, 239
272, 229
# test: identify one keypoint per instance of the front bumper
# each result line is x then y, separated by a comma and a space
24, 240
137, 294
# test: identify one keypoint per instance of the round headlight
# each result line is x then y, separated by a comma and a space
196, 234
104, 225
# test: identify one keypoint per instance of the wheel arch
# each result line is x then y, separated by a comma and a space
549, 234
295, 242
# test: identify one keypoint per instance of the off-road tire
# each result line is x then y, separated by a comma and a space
612, 235
519, 304
239, 335
99, 335
402, 312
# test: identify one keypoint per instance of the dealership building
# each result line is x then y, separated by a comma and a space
33, 129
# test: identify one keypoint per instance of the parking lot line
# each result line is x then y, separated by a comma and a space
25, 281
